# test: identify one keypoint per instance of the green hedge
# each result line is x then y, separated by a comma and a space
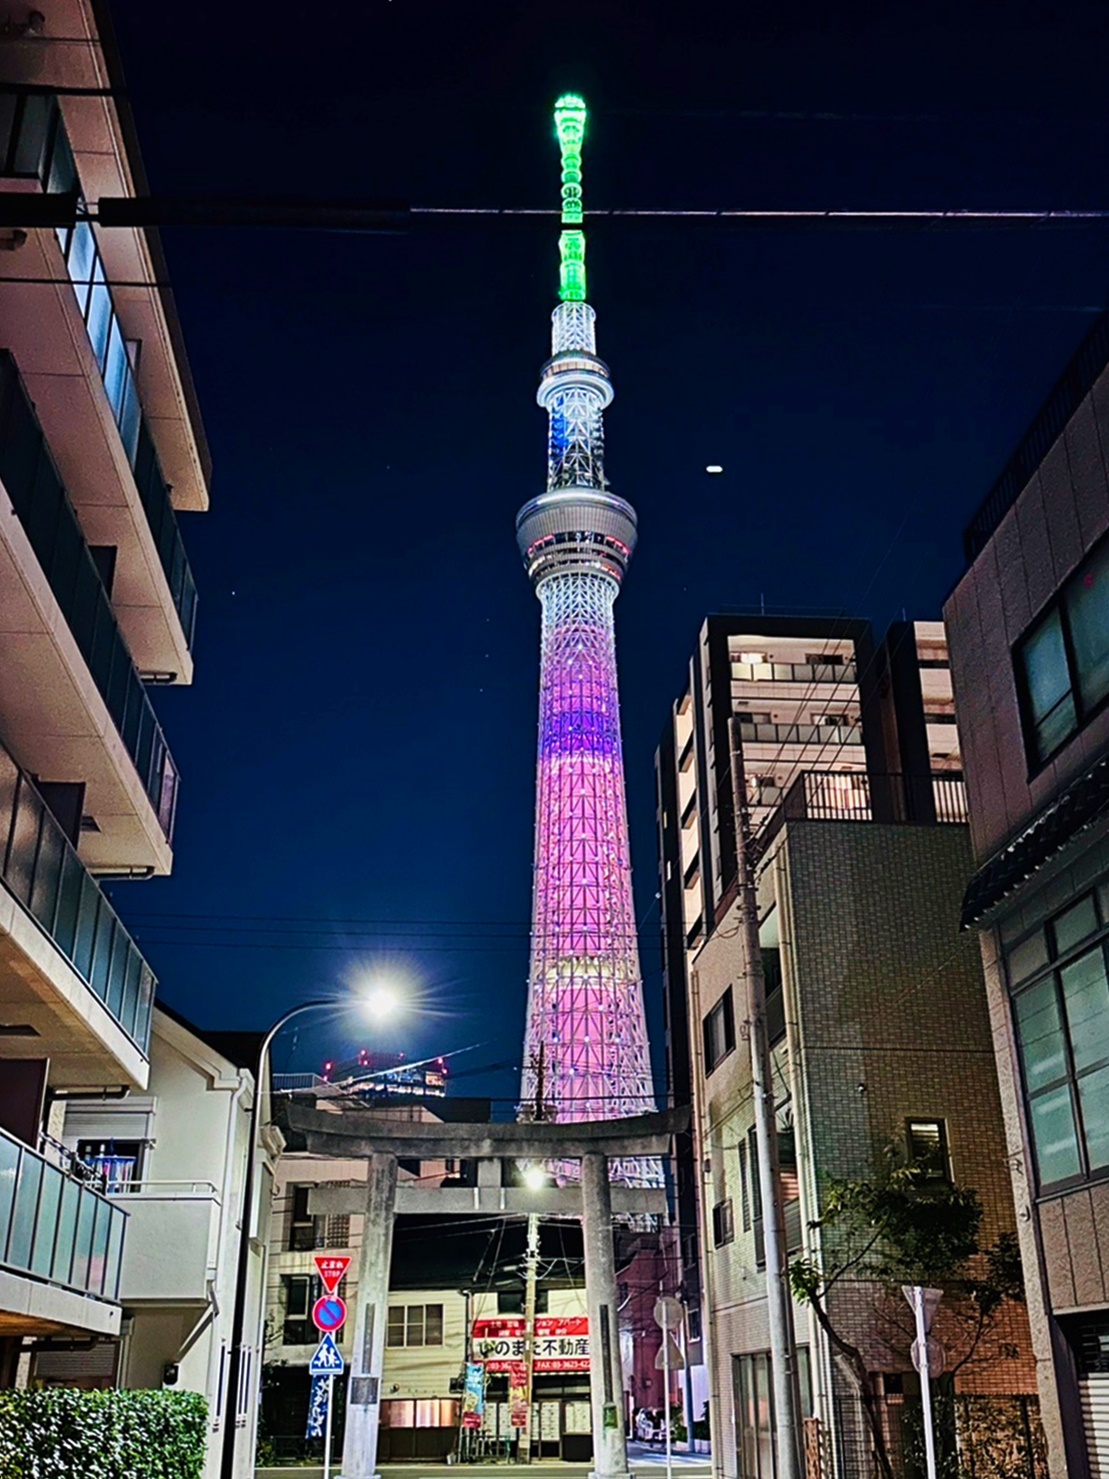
64, 1434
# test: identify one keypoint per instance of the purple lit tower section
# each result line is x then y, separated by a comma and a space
585, 1053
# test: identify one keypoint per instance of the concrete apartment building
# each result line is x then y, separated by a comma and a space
174, 1161
1029, 630
100, 445
851, 772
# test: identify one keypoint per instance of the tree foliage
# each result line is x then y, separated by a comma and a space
900, 1227
61, 1432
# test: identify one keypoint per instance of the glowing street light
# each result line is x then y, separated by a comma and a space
535, 1177
379, 1001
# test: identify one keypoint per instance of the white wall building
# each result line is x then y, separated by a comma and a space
175, 1158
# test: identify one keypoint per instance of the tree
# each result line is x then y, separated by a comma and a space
902, 1227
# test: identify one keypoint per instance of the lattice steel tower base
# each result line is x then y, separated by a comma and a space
586, 1032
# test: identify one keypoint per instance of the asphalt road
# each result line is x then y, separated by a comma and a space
644, 1460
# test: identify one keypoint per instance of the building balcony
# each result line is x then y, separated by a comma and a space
70, 974
61, 1245
81, 368
758, 732
172, 1249
72, 705
793, 672
858, 796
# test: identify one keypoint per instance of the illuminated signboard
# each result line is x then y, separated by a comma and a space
561, 1342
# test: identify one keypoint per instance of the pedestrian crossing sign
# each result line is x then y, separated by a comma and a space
327, 1361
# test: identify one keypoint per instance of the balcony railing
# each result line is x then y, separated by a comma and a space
43, 507
793, 672
34, 147
54, 1228
858, 796
758, 733
41, 868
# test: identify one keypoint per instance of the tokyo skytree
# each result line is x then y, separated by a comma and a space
585, 1049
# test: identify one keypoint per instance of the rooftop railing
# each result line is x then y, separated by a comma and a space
858, 796
34, 146
55, 1228
40, 866
43, 507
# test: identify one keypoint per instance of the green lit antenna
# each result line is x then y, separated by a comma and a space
569, 119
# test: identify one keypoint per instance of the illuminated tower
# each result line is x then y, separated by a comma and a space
585, 1022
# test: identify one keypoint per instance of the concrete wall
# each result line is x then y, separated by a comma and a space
178, 1288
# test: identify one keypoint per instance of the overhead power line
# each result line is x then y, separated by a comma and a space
30, 212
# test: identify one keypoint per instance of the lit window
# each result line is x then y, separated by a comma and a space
927, 1146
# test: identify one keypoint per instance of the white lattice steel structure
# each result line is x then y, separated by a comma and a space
586, 1030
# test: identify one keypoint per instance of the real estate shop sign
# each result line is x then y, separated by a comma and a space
561, 1342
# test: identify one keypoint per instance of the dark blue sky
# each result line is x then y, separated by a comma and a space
357, 752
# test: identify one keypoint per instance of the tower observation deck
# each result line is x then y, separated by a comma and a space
585, 1051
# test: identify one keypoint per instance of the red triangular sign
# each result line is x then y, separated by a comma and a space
331, 1267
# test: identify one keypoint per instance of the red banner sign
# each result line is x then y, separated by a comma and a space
331, 1267
561, 1342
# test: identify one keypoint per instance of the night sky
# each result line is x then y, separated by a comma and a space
357, 752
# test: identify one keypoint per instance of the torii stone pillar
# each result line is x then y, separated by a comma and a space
381, 1140
606, 1382
368, 1350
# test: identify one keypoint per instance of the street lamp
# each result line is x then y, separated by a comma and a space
380, 1001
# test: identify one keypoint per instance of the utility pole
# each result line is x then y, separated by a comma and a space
531, 1274
531, 1267
783, 1350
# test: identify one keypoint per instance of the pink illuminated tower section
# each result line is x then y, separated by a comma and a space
586, 1031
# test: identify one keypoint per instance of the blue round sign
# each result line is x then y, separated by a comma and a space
329, 1313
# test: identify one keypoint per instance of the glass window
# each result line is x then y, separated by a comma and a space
1040, 1031
394, 1334
1028, 957
99, 316
1093, 1097
1086, 994
723, 1223
718, 1030
116, 369
1055, 1136
927, 1145
433, 1324
82, 255
1047, 683
1087, 607
414, 1334
1075, 924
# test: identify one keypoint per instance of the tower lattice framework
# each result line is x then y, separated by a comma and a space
586, 1052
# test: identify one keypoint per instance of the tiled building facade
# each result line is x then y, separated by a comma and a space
1029, 632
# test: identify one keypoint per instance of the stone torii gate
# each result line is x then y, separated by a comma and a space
381, 1141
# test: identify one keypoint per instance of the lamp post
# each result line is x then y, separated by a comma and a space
382, 1000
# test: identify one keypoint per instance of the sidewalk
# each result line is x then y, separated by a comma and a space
642, 1460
